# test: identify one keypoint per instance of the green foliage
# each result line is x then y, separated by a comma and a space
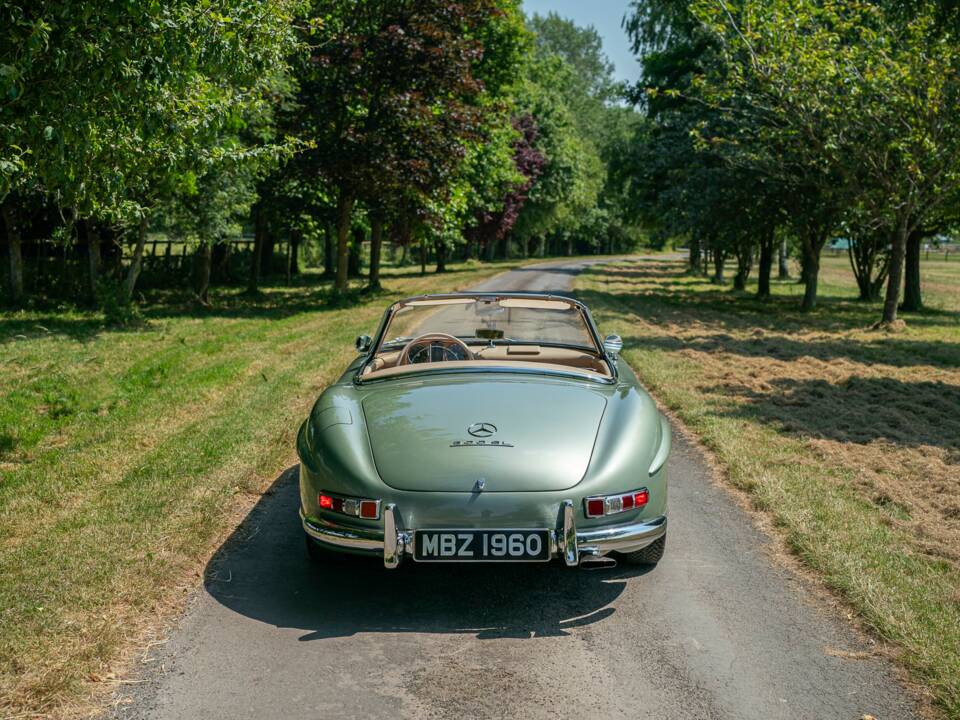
101, 103
570, 92
807, 115
294, 116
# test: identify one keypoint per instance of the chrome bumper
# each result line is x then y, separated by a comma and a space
392, 541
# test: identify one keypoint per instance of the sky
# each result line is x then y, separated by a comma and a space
605, 16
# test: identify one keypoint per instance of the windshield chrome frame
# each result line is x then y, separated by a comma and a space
581, 308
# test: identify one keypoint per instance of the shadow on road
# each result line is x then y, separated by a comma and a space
262, 572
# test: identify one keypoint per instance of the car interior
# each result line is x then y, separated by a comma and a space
501, 340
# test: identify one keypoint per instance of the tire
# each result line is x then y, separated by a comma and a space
649, 556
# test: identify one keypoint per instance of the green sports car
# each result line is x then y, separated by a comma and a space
486, 427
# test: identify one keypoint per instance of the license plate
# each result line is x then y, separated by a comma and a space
481, 545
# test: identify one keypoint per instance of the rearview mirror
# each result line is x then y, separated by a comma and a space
612, 345
363, 344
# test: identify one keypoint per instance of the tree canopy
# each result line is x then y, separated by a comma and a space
806, 118
462, 129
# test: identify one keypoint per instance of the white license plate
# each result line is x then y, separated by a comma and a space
481, 545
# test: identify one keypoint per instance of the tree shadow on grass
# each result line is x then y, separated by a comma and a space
665, 286
859, 410
272, 303
276, 300
895, 352
262, 572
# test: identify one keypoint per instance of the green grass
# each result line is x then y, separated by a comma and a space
125, 454
848, 438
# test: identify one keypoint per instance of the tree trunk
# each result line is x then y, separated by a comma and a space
423, 256
220, 261
296, 239
376, 243
355, 257
267, 249
542, 246
744, 265
694, 253
812, 246
259, 234
344, 216
329, 261
289, 258
719, 258
441, 249
202, 266
490, 249
16, 253
92, 237
912, 293
895, 277
784, 270
569, 246
133, 272
767, 247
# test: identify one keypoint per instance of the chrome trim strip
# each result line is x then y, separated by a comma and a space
495, 370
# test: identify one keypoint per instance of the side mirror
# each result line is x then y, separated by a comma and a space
363, 344
612, 345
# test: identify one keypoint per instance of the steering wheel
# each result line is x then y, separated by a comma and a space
434, 347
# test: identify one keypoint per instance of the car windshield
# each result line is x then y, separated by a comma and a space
497, 320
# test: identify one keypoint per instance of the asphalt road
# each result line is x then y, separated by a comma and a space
717, 630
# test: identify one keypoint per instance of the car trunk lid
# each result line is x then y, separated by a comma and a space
502, 435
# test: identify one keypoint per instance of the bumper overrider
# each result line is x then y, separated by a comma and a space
392, 541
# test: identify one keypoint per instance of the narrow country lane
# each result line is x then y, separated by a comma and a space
717, 630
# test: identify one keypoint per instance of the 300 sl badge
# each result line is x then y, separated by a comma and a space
479, 443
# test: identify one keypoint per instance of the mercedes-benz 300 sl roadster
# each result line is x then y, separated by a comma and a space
486, 428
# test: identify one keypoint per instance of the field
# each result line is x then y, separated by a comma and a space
847, 437
124, 454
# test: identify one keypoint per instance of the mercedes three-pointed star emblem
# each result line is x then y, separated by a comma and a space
482, 429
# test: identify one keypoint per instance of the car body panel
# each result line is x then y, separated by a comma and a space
420, 433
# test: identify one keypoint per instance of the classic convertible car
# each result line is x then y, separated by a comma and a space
486, 428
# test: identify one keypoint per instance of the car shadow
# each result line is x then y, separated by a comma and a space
262, 572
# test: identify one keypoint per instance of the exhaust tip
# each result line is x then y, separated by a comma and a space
598, 563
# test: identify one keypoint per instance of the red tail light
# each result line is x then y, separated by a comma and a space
613, 504
354, 507
595, 507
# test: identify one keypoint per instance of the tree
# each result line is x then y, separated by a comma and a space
391, 97
850, 92
142, 93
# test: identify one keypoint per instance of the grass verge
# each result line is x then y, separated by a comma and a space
848, 438
124, 454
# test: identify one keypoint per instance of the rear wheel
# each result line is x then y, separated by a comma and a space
650, 555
